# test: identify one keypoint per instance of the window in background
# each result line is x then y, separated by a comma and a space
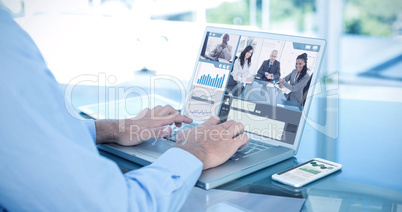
361, 17
283, 16
374, 32
370, 44
373, 17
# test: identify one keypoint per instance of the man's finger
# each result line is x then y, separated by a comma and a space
236, 129
160, 132
156, 109
166, 111
143, 113
174, 119
227, 124
241, 141
211, 121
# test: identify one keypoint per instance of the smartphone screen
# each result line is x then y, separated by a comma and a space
307, 171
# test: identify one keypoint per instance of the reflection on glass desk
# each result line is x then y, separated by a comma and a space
253, 191
223, 200
265, 92
368, 145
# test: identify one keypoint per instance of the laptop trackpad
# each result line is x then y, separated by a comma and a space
154, 148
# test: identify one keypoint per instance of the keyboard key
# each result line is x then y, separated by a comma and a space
234, 158
176, 130
253, 151
240, 154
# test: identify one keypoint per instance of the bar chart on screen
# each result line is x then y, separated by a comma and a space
212, 81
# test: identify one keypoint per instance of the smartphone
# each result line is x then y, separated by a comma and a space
307, 172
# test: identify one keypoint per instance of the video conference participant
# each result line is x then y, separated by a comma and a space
241, 66
270, 69
223, 50
49, 160
241, 70
296, 80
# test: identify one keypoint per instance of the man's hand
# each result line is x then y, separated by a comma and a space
211, 142
280, 82
146, 125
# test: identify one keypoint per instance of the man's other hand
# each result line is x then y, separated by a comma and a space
211, 142
150, 123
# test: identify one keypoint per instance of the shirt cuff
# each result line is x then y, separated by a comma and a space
182, 164
166, 183
90, 123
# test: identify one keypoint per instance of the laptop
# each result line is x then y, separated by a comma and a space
273, 120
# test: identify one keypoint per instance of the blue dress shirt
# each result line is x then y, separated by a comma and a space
48, 158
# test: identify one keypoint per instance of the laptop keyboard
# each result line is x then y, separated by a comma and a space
176, 130
252, 147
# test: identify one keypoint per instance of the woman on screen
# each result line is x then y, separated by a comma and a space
242, 64
296, 80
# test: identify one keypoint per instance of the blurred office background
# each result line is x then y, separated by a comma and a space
123, 37
126, 41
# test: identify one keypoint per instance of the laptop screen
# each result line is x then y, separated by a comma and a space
258, 79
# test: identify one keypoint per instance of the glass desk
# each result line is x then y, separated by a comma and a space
367, 144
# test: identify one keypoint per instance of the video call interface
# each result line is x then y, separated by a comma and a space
238, 78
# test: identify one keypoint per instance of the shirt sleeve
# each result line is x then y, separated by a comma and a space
48, 159
165, 184
261, 70
277, 73
287, 78
213, 52
297, 85
227, 53
90, 124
